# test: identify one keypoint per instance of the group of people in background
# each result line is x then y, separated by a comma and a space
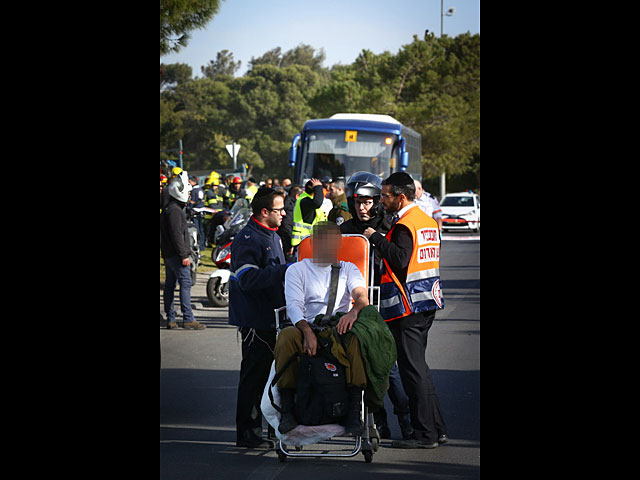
318, 200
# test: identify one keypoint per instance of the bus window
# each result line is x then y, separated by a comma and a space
335, 154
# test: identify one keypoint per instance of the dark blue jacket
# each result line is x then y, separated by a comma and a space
256, 285
197, 197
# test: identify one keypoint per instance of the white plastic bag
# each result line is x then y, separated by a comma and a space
302, 434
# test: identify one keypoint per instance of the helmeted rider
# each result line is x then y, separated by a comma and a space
363, 198
234, 192
176, 252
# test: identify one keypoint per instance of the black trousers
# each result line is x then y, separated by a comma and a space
257, 355
411, 334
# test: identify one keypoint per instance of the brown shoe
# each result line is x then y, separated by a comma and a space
172, 325
195, 325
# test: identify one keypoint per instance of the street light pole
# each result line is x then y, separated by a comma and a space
443, 176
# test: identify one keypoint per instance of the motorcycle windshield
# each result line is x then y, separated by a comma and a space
239, 219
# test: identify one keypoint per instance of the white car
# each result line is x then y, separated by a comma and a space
460, 211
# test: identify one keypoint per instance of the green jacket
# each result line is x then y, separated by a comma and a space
340, 209
378, 352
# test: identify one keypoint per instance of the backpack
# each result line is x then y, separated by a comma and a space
321, 391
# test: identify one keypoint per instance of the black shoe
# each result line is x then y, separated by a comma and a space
384, 431
412, 443
443, 438
250, 440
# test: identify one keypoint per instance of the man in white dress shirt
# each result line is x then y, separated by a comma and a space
306, 293
428, 203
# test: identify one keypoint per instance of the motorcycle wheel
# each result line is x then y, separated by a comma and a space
217, 292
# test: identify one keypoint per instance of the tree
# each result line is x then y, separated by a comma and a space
269, 105
174, 74
179, 17
300, 55
222, 65
271, 57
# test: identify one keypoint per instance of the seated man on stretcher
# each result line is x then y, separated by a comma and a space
307, 291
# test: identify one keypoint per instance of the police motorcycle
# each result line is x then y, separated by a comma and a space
194, 241
219, 217
218, 283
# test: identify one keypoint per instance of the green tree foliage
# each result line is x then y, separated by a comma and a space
224, 64
300, 55
431, 84
174, 74
179, 17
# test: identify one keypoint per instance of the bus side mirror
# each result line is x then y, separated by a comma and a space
293, 151
404, 156
404, 163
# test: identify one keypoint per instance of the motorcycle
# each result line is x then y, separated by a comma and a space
218, 218
194, 242
218, 283
211, 216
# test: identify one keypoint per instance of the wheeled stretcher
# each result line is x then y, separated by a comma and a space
322, 440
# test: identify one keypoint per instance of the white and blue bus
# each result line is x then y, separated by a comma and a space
347, 143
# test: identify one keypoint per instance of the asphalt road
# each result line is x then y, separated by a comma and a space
198, 386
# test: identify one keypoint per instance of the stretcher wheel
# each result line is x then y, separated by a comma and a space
374, 443
375, 438
368, 456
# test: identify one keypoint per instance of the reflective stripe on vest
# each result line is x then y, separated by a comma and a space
421, 292
300, 228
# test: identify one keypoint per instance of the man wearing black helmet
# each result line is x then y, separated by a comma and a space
363, 197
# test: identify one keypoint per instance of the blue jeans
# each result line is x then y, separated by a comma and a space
397, 396
396, 392
177, 273
199, 225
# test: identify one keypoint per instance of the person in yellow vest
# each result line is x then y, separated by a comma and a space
212, 195
251, 188
308, 211
410, 295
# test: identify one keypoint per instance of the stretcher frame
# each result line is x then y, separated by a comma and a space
355, 248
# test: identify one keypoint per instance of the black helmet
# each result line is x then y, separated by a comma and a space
364, 184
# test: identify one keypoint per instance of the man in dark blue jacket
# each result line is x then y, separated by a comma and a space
256, 287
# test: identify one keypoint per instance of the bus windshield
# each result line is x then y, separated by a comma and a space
342, 153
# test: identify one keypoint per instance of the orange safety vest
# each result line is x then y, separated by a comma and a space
421, 291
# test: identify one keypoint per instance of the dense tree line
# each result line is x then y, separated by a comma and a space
431, 84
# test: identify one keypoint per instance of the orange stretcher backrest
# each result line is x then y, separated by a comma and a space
354, 249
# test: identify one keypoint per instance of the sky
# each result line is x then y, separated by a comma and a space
343, 28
